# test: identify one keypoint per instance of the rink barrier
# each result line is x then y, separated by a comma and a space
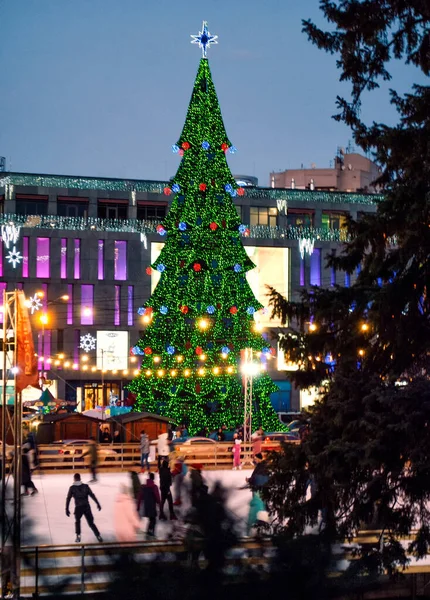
84, 568
124, 457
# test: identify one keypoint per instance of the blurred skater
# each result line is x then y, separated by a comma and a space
26, 474
237, 449
166, 494
149, 498
125, 517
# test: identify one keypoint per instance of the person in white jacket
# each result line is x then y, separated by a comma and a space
163, 448
126, 519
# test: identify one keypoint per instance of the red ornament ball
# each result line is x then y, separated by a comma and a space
184, 309
148, 310
182, 263
218, 304
167, 191
247, 232
223, 223
148, 350
199, 350
233, 310
148, 270
224, 147
186, 145
187, 345
198, 388
197, 267
202, 187
213, 226
272, 351
240, 191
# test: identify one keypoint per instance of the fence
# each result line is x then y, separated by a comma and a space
57, 458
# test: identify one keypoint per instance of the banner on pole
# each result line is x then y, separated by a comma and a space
26, 360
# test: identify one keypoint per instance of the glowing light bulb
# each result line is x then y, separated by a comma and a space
57, 362
160, 372
48, 361
66, 364
258, 327
136, 372
201, 371
361, 352
230, 369
114, 371
87, 312
133, 359
148, 372
202, 357
146, 319
84, 358
125, 372
173, 373
312, 327
187, 373
84, 367
215, 370
157, 359
224, 355
364, 327
75, 366
203, 324
93, 369
61, 356
179, 358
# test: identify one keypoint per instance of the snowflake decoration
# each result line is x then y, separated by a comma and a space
88, 342
14, 257
34, 303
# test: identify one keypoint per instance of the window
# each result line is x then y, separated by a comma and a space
331, 220
70, 304
151, 212
77, 260
262, 215
130, 311
25, 256
42, 258
101, 260
120, 260
302, 270
117, 310
3, 286
68, 208
31, 204
112, 210
316, 267
300, 219
63, 258
87, 305
1, 259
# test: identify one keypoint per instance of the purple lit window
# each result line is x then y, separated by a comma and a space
70, 305
3, 285
120, 261
47, 344
76, 346
25, 256
42, 257
77, 260
302, 270
87, 305
316, 267
1, 259
117, 310
347, 280
101, 259
130, 311
63, 258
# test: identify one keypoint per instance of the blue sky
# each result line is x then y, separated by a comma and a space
101, 88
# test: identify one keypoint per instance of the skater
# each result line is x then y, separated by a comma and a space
135, 485
260, 475
163, 448
26, 474
198, 486
31, 444
166, 494
149, 497
179, 470
144, 451
92, 453
125, 516
257, 440
256, 510
80, 492
236, 453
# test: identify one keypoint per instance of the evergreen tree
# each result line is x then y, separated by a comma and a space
201, 314
368, 451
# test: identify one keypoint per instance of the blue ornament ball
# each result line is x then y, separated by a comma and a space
135, 350
206, 145
250, 310
161, 268
170, 350
164, 310
266, 350
225, 350
210, 309
175, 148
228, 188
141, 311
199, 221
237, 268
233, 193
232, 149
242, 228
182, 226
175, 188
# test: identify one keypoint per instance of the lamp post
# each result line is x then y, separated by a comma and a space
249, 370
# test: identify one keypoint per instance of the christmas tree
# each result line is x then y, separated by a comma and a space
201, 314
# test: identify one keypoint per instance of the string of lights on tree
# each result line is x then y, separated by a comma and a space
201, 314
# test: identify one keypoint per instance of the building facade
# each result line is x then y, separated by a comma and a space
351, 172
86, 244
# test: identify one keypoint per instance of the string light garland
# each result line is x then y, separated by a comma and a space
192, 374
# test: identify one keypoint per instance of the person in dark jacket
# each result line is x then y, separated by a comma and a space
106, 437
260, 475
149, 497
198, 486
80, 492
166, 494
92, 453
26, 474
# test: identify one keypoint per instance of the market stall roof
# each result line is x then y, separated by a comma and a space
137, 416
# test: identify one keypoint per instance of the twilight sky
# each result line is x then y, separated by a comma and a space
101, 88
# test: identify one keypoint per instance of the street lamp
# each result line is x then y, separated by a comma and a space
249, 369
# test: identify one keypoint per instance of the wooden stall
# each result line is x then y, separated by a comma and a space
67, 426
131, 424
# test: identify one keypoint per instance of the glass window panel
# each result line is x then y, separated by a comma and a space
120, 260
130, 311
117, 310
77, 260
42, 257
316, 267
87, 305
273, 211
63, 258
25, 246
101, 259
70, 305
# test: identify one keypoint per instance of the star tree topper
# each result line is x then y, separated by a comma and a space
204, 39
